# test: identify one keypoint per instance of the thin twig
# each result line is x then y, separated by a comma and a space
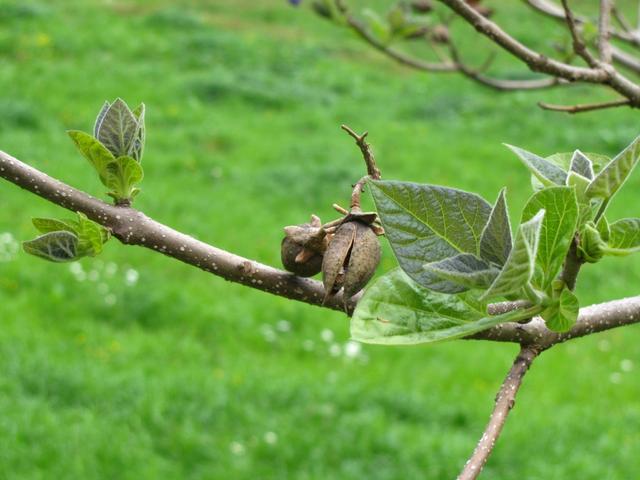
505, 400
586, 107
604, 31
622, 21
578, 43
372, 169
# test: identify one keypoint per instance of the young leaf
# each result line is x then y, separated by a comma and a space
585, 204
137, 149
54, 246
519, 267
496, 241
545, 171
591, 247
561, 316
93, 151
118, 128
557, 230
428, 223
624, 237
91, 236
581, 165
122, 175
465, 270
100, 118
613, 176
378, 27
46, 225
396, 311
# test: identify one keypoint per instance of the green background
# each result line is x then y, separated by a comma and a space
134, 366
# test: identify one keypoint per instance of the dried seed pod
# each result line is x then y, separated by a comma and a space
302, 248
351, 259
363, 260
298, 259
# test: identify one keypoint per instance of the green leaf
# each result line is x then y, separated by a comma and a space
94, 151
545, 171
122, 175
585, 205
581, 164
118, 128
465, 270
624, 237
557, 230
91, 236
613, 176
100, 118
603, 228
396, 311
54, 246
591, 246
396, 18
496, 241
428, 223
137, 149
46, 225
519, 267
562, 315
378, 27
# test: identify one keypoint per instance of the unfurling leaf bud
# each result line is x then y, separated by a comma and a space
302, 248
351, 259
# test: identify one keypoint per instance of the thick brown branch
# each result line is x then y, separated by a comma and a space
505, 400
598, 73
131, 226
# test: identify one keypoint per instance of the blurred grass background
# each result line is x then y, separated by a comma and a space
134, 366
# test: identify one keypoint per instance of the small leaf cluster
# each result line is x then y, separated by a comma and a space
457, 252
115, 149
67, 240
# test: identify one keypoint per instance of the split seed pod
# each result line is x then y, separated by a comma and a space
351, 259
302, 248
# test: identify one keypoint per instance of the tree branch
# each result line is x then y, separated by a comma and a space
505, 400
604, 31
132, 227
578, 44
453, 65
586, 107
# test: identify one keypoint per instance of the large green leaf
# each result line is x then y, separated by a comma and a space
496, 241
396, 311
118, 128
624, 237
563, 313
557, 230
93, 151
519, 267
54, 246
428, 223
545, 171
613, 176
465, 270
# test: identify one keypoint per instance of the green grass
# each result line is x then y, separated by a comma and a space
182, 375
